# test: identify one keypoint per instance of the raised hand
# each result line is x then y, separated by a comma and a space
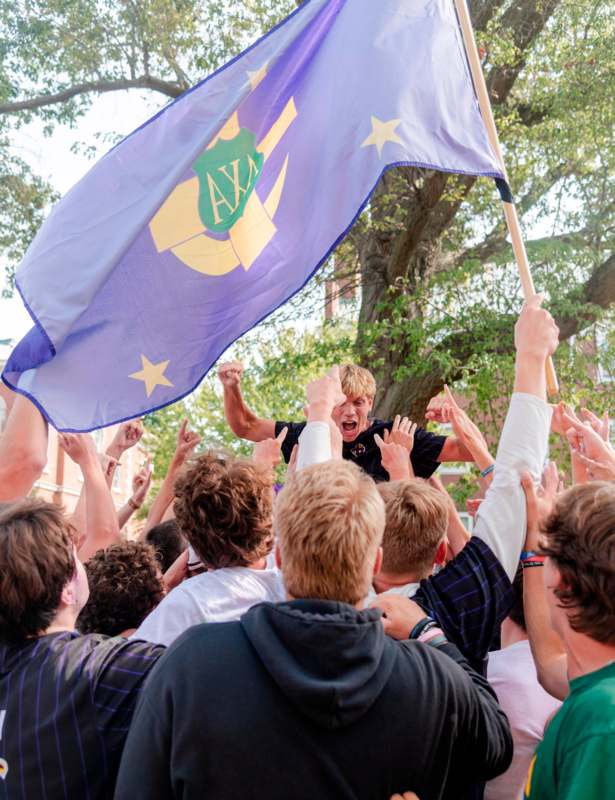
230, 373
584, 439
187, 440
395, 459
326, 390
600, 424
437, 409
536, 334
539, 501
141, 484
108, 464
268, 452
79, 447
463, 427
127, 435
401, 433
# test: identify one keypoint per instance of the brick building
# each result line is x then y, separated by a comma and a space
61, 480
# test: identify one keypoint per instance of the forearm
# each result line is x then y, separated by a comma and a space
547, 647
102, 528
457, 534
164, 498
314, 444
530, 375
124, 514
241, 419
23, 450
501, 518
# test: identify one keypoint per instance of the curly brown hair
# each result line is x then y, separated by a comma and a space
223, 506
125, 585
579, 536
36, 562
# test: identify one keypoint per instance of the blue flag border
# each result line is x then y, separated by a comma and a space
497, 176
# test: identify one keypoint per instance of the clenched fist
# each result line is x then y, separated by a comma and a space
230, 373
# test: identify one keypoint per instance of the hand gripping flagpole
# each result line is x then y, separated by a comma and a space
510, 211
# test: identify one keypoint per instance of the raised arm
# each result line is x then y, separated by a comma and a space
140, 487
315, 442
101, 523
500, 521
187, 440
23, 447
547, 648
242, 421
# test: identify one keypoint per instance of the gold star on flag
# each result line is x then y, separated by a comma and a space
257, 75
152, 375
382, 132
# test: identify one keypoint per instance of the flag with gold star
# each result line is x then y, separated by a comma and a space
221, 207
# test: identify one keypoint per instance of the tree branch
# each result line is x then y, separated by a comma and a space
598, 291
144, 82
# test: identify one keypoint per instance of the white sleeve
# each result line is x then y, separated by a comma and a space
501, 518
171, 617
314, 444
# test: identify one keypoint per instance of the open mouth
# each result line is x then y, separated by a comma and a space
349, 427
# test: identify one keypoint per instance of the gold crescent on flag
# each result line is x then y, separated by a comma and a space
177, 225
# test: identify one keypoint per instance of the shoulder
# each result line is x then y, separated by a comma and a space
197, 651
591, 710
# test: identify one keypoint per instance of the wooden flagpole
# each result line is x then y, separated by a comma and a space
510, 211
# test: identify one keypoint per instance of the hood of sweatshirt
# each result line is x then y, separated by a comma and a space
330, 660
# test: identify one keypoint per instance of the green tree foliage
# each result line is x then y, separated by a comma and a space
273, 386
430, 255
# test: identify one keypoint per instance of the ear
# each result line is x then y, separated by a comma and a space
378, 561
69, 595
370, 403
278, 557
440, 558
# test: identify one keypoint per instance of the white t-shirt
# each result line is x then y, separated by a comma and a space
512, 673
221, 595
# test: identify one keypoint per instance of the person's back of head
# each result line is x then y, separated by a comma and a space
416, 525
579, 540
329, 520
125, 585
37, 561
223, 505
167, 540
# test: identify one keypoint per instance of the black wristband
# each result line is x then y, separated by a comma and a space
421, 626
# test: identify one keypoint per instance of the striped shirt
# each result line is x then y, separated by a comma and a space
66, 702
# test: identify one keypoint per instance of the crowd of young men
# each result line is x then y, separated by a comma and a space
343, 638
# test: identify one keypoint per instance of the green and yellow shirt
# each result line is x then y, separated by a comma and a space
576, 759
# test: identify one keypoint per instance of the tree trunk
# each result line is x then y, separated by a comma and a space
410, 210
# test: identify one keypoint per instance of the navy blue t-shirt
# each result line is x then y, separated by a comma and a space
365, 452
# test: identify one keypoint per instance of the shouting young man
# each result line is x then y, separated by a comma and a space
352, 419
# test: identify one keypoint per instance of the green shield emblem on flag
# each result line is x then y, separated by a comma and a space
227, 175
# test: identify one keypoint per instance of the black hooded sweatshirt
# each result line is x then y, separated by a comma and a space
309, 700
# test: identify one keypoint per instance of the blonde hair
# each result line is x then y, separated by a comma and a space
357, 381
416, 523
329, 520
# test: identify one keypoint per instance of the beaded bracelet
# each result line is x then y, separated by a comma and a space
487, 471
